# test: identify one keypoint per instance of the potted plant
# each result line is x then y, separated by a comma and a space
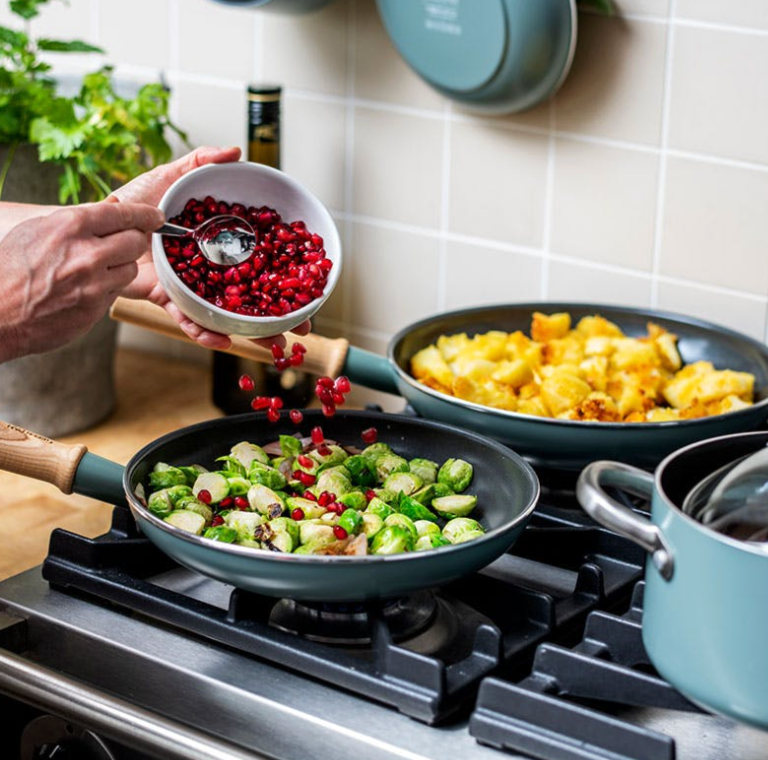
59, 148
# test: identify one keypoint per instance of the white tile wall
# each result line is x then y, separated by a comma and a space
644, 181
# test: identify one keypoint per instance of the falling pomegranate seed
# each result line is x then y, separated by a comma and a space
204, 496
317, 436
297, 514
273, 415
370, 435
342, 384
324, 382
298, 348
339, 532
296, 416
328, 410
246, 383
277, 351
261, 402
217, 520
282, 364
276, 402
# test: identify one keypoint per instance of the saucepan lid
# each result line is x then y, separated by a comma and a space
498, 56
733, 499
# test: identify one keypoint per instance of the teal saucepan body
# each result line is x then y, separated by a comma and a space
705, 605
566, 444
506, 487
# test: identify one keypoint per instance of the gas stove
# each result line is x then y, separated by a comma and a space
111, 651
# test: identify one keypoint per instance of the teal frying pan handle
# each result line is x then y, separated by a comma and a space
590, 491
67, 466
371, 370
100, 479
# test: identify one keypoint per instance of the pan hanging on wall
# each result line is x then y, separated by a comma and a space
497, 56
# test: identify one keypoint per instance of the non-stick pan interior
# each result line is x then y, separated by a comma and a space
503, 482
698, 340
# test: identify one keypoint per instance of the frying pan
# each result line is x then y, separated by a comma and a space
549, 443
506, 487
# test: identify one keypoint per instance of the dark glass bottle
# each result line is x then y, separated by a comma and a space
294, 387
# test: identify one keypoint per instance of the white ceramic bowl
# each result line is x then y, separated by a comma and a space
252, 185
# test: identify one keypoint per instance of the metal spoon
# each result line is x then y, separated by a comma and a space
225, 240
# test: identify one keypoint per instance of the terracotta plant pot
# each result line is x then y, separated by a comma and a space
71, 388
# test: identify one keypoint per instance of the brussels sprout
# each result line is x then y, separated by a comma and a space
374, 451
350, 520
426, 469
378, 507
425, 494
251, 543
232, 466
332, 481
213, 482
191, 504
192, 472
248, 453
423, 543
389, 463
314, 534
280, 534
393, 539
245, 523
312, 467
371, 524
164, 476
267, 476
336, 455
265, 500
413, 510
238, 486
457, 529
354, 499
455, 505
403, 482
360, 470
403, 522
290, 446
390, 497
191, 522
222, 533
426, 528
456, 474
160, 504
311, 509
441, 489
177, 493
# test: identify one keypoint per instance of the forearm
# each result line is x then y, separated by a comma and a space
12, 214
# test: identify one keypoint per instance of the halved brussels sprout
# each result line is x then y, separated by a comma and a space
248, 453
404, 522
350, 520
267, 476
462, 529
455, 505
426, 469
165, 475
213, 482
392, 539
245, 523
403, 482
191, 522
389, 463
265, 500
414, 510
378, 507
222, 533
456, 474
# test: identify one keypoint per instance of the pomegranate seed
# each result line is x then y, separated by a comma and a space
305, 461
370, 435
370, 494
316, 434
324, 450
277, 351
328, 410
298, 348
261, 402
342, 384
217, 520
204, 496
227, 501
297, 514
282, 364
241, 502
273, 415
324, 382
309, 495
305, 478
325, 498
246, 383
296, 360
276, 402
339, 532
296, 416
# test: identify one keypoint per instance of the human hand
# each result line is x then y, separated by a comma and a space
63, 271
149, 188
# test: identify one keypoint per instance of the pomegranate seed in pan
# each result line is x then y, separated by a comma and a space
370, 435
297, 514
339, 532
204, 496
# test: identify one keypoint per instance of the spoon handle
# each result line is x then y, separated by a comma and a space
173, 229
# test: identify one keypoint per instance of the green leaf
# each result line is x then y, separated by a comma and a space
56, 141
12, 38
601, 6
27, 9
74, 46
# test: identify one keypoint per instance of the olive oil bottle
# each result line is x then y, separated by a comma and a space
295, 388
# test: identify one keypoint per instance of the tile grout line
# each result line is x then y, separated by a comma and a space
445, 200
349, 157
663, 155
549, 202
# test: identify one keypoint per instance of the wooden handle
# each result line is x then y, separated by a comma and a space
38, 457
325, 356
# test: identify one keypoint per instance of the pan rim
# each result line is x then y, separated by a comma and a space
668, 316
142, 514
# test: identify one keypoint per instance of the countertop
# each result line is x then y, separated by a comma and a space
30, 510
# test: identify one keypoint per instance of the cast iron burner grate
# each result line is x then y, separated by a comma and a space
563, 709
562, 568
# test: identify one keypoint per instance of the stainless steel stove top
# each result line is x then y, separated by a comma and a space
231, 705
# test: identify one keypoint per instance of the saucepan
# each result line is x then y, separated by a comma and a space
706, 592
549, 443
506, 487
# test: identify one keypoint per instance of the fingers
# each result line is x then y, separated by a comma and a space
303, 329
117, 278
199, 334
208, 155
101, 219
121, 247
